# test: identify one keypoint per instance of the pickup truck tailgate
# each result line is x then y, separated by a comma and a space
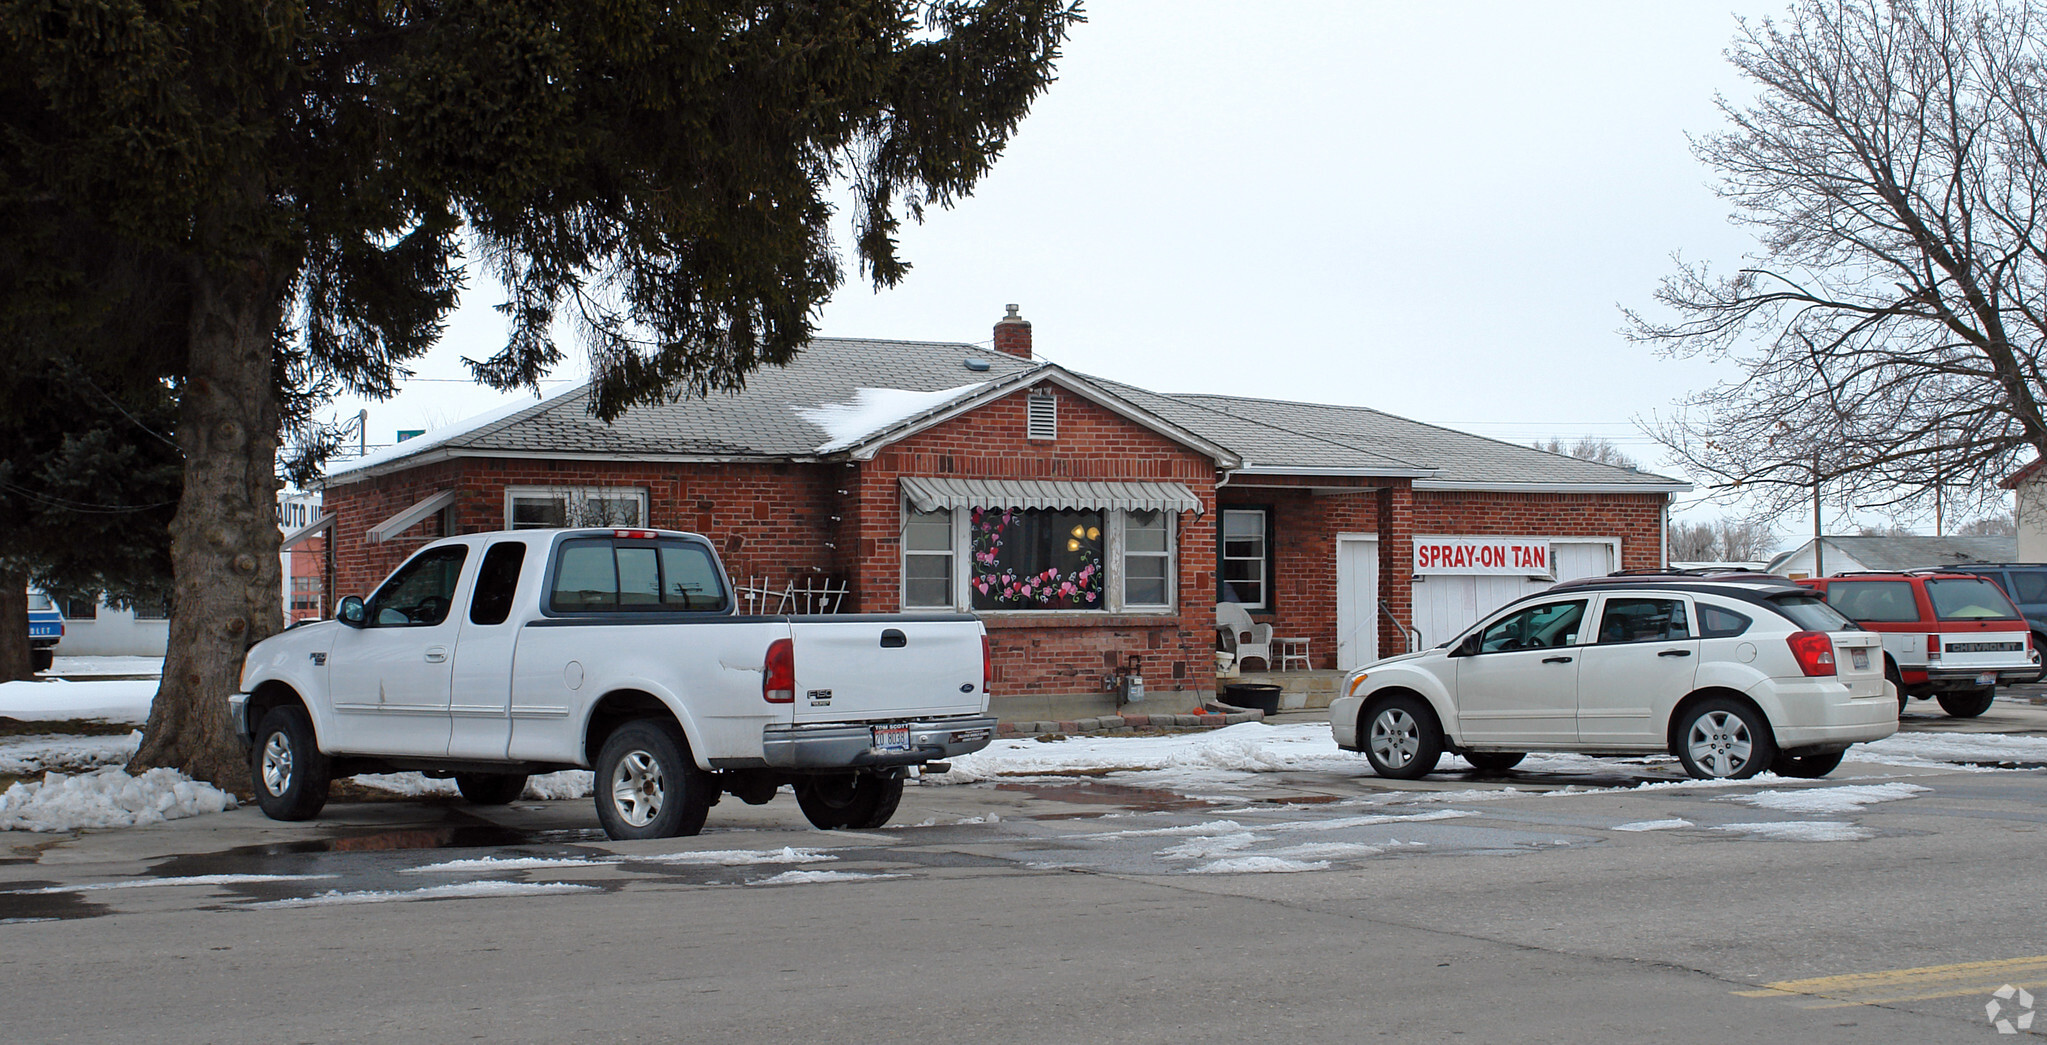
850, 668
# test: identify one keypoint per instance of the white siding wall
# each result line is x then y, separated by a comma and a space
1445, 605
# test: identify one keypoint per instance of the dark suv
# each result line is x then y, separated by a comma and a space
2025, 582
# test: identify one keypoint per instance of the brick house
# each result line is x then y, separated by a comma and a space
1093, 525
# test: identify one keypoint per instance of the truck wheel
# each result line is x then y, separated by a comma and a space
648, 786
41, 659
286, 766
1968, 703
857, 800
491, 789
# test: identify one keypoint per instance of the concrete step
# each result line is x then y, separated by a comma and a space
1297, 689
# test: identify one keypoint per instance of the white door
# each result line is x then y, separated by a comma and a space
1357, 600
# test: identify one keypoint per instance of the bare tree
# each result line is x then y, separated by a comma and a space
1589, 448
1891, 324
1691, 542
1723, 540
1989, 526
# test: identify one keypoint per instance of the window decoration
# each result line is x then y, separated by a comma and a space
1036, 559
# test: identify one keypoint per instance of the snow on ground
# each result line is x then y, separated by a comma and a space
1653, 825
107, 798
106, 666
806, 877
1217, 758
1260, 865
124, 700
29, 755
191, 879
569, 783
1849, 799
1945, 749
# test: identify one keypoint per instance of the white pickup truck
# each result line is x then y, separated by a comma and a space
488, 657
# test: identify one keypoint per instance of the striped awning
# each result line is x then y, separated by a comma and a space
928, 494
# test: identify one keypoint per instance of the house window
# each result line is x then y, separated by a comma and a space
1245, 557
152, 609
1147, 559
1038, 559
81, 609
927, 560
535, 507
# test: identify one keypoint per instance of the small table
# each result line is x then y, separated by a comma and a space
1291, 650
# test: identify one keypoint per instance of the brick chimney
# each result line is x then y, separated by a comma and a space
1013, 334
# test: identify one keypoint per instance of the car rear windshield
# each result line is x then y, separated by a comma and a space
1972, 598
1812, 613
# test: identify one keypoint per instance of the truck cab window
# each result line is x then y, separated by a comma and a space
496, 580
421, 592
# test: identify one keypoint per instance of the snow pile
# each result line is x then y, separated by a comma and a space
107, 798
27, 756
872, 410
1930, 749
1850, 799
1260, 865
488, 864
123, 700
1213, 757
1801, 831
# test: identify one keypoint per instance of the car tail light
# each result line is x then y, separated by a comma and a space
1932, 647
1814, 651
987, 667
637, 535
778, 681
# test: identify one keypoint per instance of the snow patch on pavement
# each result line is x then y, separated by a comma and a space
1654, 825
107, 798
452, 891
29, 755
740, 857
154, 883
1945, 749
569, 783
807, 877
1222, 756
488, 864
1849, 799
1801, 831
1260, 865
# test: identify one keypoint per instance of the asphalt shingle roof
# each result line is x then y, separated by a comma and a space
1909, 552
763, 421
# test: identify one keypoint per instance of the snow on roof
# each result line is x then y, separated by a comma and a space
872, 410
437, 436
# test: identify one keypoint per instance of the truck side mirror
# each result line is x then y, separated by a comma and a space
351, 611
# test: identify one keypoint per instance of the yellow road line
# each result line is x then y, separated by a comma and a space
1920, 984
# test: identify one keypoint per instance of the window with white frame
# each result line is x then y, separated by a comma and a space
927, 560
1038, 559
1245, 557
538, 507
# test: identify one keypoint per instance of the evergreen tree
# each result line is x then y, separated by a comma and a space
304, 178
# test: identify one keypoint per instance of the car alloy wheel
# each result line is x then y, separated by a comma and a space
276, 766
1720, 743
1396, 737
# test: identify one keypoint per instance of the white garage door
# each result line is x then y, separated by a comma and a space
1446, 604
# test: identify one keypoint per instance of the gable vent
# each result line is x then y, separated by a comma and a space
1044, 417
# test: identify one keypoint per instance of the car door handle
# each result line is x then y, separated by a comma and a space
1556, 660
1675, 653
436, 654
893, 638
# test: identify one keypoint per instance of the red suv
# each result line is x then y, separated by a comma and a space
1948, 636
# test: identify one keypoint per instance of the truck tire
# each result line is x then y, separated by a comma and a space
647, 784
491, 789
290, 774
41, 659
857, 800
1968, 703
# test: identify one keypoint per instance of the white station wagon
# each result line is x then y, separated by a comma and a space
1731, 676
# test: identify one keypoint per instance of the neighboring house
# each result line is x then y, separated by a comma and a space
95, 629
2029, 511
1881, 554
1092, 524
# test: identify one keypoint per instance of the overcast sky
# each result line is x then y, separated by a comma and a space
1435, 210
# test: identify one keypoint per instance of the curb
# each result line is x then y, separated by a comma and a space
1111, 724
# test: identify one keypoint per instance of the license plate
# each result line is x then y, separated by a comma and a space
892, 738
1859, 658
1988, 678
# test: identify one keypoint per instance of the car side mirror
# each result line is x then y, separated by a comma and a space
1467, 648
351, 611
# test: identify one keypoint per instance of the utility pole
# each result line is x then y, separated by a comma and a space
1819, 568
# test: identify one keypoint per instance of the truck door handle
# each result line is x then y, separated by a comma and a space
1556, 660
436, 654
1675, 653
893, 638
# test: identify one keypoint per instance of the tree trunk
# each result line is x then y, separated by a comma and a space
14, 656
228, 582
